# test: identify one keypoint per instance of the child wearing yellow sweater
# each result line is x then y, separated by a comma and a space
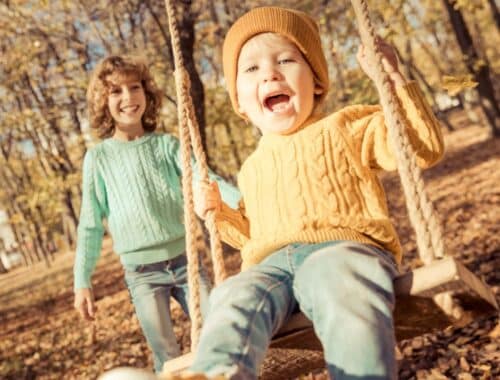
313, 228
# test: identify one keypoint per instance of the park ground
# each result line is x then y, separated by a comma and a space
42, 337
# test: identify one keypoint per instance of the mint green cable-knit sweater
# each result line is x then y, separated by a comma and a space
136, 187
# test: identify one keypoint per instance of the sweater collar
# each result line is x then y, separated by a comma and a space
276, 138
118, 144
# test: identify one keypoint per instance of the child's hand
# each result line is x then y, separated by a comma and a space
84, 304
206, 198
389, 60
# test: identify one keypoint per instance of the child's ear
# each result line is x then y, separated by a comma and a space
318, 90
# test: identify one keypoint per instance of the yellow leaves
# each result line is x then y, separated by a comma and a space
467, 5
388, 33
478, 64
210, 32
28, 112
16, 218
455, 84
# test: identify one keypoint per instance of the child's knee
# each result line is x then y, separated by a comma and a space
342, 269
250, 289
239, 288
344, 260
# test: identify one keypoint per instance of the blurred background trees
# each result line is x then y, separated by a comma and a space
48, 48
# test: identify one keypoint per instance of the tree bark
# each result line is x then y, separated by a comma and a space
481, 75
186, 23
494, 12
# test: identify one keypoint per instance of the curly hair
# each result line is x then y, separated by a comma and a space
99, 86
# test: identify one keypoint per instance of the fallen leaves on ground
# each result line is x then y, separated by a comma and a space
42, 337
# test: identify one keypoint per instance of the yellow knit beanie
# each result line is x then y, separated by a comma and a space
297, 26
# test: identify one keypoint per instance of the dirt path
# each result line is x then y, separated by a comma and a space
41, 336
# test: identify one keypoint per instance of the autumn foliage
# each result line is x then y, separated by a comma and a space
47, 50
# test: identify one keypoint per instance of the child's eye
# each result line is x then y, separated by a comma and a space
136, 87
251, 69
285, 60
114, 91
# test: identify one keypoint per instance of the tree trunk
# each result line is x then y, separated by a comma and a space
69, 219
485, 89
17, 236
186, 33
494, 12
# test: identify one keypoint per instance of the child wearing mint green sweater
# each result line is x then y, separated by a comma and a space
132, 179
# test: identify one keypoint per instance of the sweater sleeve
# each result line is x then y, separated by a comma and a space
90, 226
229, 193
233, 225
423, 129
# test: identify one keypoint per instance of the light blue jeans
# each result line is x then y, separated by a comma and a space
150, 287
344, 288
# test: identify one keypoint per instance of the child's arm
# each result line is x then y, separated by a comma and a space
230, 216
232, 224
422, 127
230, 193
90, 234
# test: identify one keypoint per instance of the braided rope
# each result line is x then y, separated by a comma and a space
190, 136
215, 241
420, 208
182, 91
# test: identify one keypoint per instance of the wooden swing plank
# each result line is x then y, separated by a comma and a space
290, 361
179, 363
416, 312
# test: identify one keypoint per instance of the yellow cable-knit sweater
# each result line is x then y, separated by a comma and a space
320, 183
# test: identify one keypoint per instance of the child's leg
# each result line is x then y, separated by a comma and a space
346, 290
244, 312
150, 288
180, 292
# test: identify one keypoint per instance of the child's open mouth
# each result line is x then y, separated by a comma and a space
278, 103
129, 109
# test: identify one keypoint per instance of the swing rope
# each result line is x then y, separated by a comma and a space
420, 208
190, 137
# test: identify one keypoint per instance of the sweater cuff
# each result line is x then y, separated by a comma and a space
413, 101
425, 132
81, 282
233, 226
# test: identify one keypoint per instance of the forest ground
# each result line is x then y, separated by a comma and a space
42, 337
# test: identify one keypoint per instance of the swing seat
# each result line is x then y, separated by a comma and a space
416, 313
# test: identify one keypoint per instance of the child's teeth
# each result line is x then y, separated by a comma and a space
278, 107
278, 103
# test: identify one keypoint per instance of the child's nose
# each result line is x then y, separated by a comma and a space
271, 74
127, 94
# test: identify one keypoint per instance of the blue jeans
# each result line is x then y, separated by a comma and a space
150, 287
344, 288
